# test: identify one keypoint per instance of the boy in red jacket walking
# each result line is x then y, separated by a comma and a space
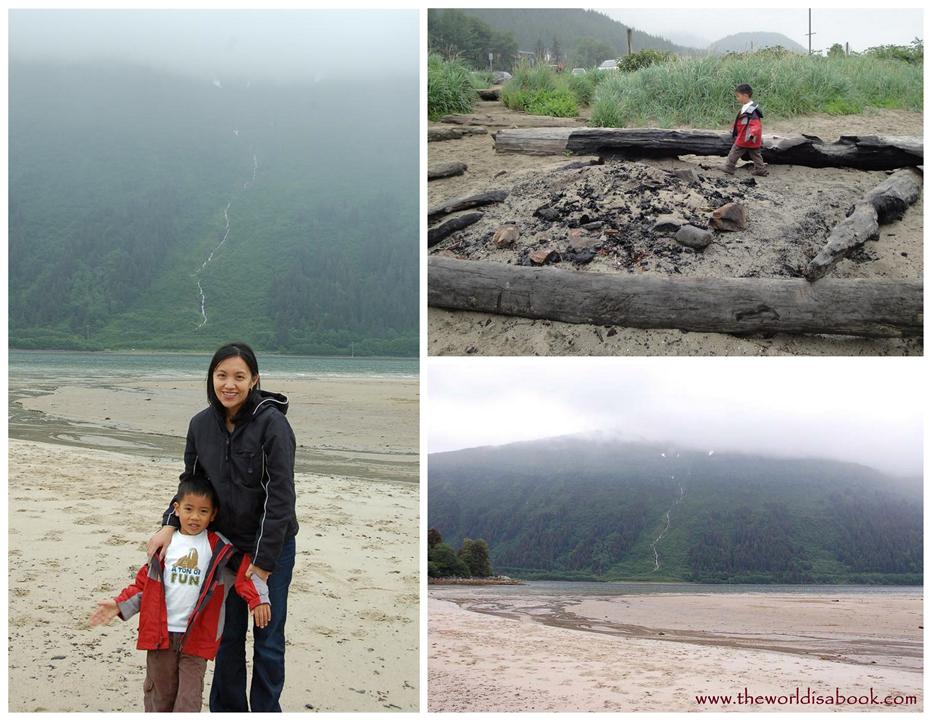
747, 132
180, 603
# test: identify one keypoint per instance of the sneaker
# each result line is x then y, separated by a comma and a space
728, 170
762, 172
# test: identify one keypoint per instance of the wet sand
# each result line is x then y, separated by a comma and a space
359, 427
83, 501
657, 652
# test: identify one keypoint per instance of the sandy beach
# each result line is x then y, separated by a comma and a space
91, 467
501, 652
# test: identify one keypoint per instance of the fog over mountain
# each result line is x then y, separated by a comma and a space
861, 27
181, 178
280, 45
864, 412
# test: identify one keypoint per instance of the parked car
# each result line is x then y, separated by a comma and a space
608, 65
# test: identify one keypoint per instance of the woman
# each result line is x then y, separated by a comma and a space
245, 446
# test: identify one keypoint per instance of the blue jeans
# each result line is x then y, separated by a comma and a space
228, 690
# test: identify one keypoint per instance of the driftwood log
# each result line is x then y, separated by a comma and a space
436, 134
454, 224
466, 119
465, 203
868, 152
445, 170
488, 120
885, 203
870, 308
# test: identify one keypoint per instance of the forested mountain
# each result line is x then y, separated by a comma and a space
569, 27
573, 507
749, 41
144, 203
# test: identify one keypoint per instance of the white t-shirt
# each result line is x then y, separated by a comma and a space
185, 568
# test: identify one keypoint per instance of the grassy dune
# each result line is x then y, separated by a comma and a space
700, 91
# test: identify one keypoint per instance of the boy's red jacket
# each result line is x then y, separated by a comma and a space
205, 626
748, 127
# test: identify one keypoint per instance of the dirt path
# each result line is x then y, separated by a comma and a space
792, 211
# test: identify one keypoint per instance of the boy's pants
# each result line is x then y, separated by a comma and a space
174, 682
737, 152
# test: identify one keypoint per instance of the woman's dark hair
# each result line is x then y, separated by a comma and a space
236, 349
745, 89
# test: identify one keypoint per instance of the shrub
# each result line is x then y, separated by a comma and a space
539, 90
449, 87
644, 58
912, 53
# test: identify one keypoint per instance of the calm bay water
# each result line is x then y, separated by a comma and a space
553, 587
44, 364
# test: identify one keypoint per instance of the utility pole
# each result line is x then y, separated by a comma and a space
810, 33
630, 33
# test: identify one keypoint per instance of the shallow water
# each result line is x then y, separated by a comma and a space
98, 366
34, 373
551, 588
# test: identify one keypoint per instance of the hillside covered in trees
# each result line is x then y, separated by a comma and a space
573, 508
564, 30
158, 211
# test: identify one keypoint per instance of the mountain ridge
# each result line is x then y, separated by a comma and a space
754, 40
596, 514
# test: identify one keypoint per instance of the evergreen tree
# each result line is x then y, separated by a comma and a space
474, 553
434, 537
445, 562
557, 52
591, 53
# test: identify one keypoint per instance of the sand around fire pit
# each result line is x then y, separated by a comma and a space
621, 216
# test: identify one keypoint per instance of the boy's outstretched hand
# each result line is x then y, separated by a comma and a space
262, 615
105, 612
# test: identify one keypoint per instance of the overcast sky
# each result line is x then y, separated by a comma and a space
862, 28
282, 45
867, 411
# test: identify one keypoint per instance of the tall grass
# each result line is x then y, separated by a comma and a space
482, 78
450, 87
538, 90
700, 91
583, 87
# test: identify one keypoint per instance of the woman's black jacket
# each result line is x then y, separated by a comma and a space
252, 471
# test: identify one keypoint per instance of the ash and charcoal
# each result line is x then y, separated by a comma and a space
633, 216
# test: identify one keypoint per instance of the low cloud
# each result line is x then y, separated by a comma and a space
866, 410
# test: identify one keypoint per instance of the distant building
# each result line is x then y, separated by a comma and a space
527, 56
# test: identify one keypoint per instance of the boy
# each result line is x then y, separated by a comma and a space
747, 133
180, 602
